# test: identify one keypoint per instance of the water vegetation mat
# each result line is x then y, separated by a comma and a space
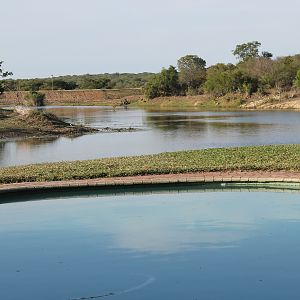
253, 158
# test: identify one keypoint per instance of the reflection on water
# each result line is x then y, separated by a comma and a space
154, 246
161, 131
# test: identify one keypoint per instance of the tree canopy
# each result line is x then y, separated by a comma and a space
192, 71
247, 50
297, 80
166, 83
3, 74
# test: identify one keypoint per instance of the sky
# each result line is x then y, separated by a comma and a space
42, 38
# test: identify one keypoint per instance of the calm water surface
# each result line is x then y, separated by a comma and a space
158, 131
167, 245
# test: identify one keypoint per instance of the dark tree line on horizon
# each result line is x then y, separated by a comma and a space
72, 82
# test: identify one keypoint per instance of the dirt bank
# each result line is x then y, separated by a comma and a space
32, 123
288, 100
77, 97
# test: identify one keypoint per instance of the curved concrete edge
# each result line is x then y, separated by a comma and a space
228, 178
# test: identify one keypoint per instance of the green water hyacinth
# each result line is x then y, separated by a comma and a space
253, 158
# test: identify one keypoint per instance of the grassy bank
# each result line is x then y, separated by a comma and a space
33, 123
267, 158
204, 102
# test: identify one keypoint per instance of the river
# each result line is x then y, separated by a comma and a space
157, 131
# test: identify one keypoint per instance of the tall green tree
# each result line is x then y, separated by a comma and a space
297, 80
3, 74
192, 71
166, 83
247, 50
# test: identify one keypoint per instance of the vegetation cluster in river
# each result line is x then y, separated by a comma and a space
253, 158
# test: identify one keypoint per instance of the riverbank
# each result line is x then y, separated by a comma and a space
112, 97
135, 98
261, 158
272, 101
34, 124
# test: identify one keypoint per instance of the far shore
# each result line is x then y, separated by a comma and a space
289, 100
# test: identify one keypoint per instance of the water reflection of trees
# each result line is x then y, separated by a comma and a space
2, 149
31, 143
82, 115
217, 123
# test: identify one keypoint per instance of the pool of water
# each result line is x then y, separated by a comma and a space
158, 131
178, 244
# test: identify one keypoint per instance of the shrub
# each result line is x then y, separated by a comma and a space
34, 98
297, 80
166, 83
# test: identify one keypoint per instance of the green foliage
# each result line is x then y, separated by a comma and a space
3, 74
264, 158
99, 83
192, 72
254, 72
220, 79
166, 83
223, 79
247, 50
297, 80
266, 54
60, 84
34, 98
285, 71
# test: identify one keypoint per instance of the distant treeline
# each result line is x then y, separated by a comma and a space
255, 72
71, 82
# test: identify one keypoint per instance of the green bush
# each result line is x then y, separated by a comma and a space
166, 83
297, 80
34, 98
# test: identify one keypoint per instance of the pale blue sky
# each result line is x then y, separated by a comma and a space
40, 38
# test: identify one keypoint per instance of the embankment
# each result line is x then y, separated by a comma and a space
27, 123
77, 97
287, 100
273, 100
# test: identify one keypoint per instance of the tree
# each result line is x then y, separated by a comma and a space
3, 74
297, 80
220, 79
247, 50
284, 73
60, 84
99, 83
223, 79
266, 54
192, 71
34, 98
166, 83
